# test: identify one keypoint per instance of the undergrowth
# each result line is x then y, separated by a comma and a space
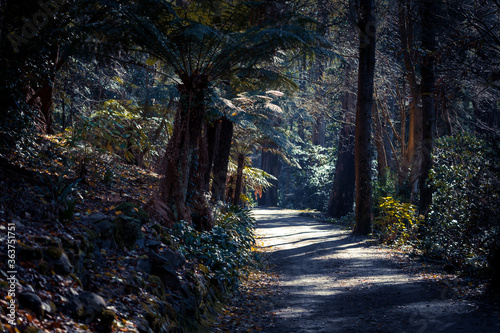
225, 252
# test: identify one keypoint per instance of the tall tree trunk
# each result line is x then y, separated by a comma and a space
378, 138
239, 179
342, 197
410, 166
41, 100
428, 94
366, 71
179, 200
270, 163
221, 160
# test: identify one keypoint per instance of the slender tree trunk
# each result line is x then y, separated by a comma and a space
221, 160
319, 132
270, 163
342, 197
63, 116
412, 158
231, 185
239, 179
213, 133
363, 151
42, 99
445, 114
378, 137
428, 93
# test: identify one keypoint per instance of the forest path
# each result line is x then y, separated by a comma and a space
331, 281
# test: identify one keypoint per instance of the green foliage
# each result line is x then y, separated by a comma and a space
255, 181
310, 185
16, 125
60, 193
224, 251
397, 223
463, 226
118, 128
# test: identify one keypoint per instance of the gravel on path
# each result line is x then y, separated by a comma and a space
331, 281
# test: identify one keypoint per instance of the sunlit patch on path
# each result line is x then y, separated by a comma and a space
330, 281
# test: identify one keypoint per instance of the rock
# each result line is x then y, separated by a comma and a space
98, 257
132, 210
144, 265
27, 289
62, 265
58, 260
49, 308
174, 260
130, 289
104, 228
86, 306
48, 241
78, 261
96, 217
155, 286
53, 252
32, 302
168, 277
27, 253
142, 325
106, 321
149, 243
126, 231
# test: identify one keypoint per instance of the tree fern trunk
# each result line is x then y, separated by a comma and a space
180, 200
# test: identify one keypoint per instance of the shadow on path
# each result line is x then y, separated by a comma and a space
330, 281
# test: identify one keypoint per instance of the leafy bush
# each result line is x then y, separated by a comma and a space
119, 128
397, 223
60, 194
463, 226
224, 251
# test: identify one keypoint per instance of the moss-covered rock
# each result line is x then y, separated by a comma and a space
106, 320
86, 306
132, 210
54, 252
28, 253
157, 318
126, 230
155, 286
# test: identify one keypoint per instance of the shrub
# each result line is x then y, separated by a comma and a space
121, 129
463, 226
224, 251
397, 223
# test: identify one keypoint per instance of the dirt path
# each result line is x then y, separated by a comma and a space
330, 281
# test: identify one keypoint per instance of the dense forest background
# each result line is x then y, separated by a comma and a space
382, 114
